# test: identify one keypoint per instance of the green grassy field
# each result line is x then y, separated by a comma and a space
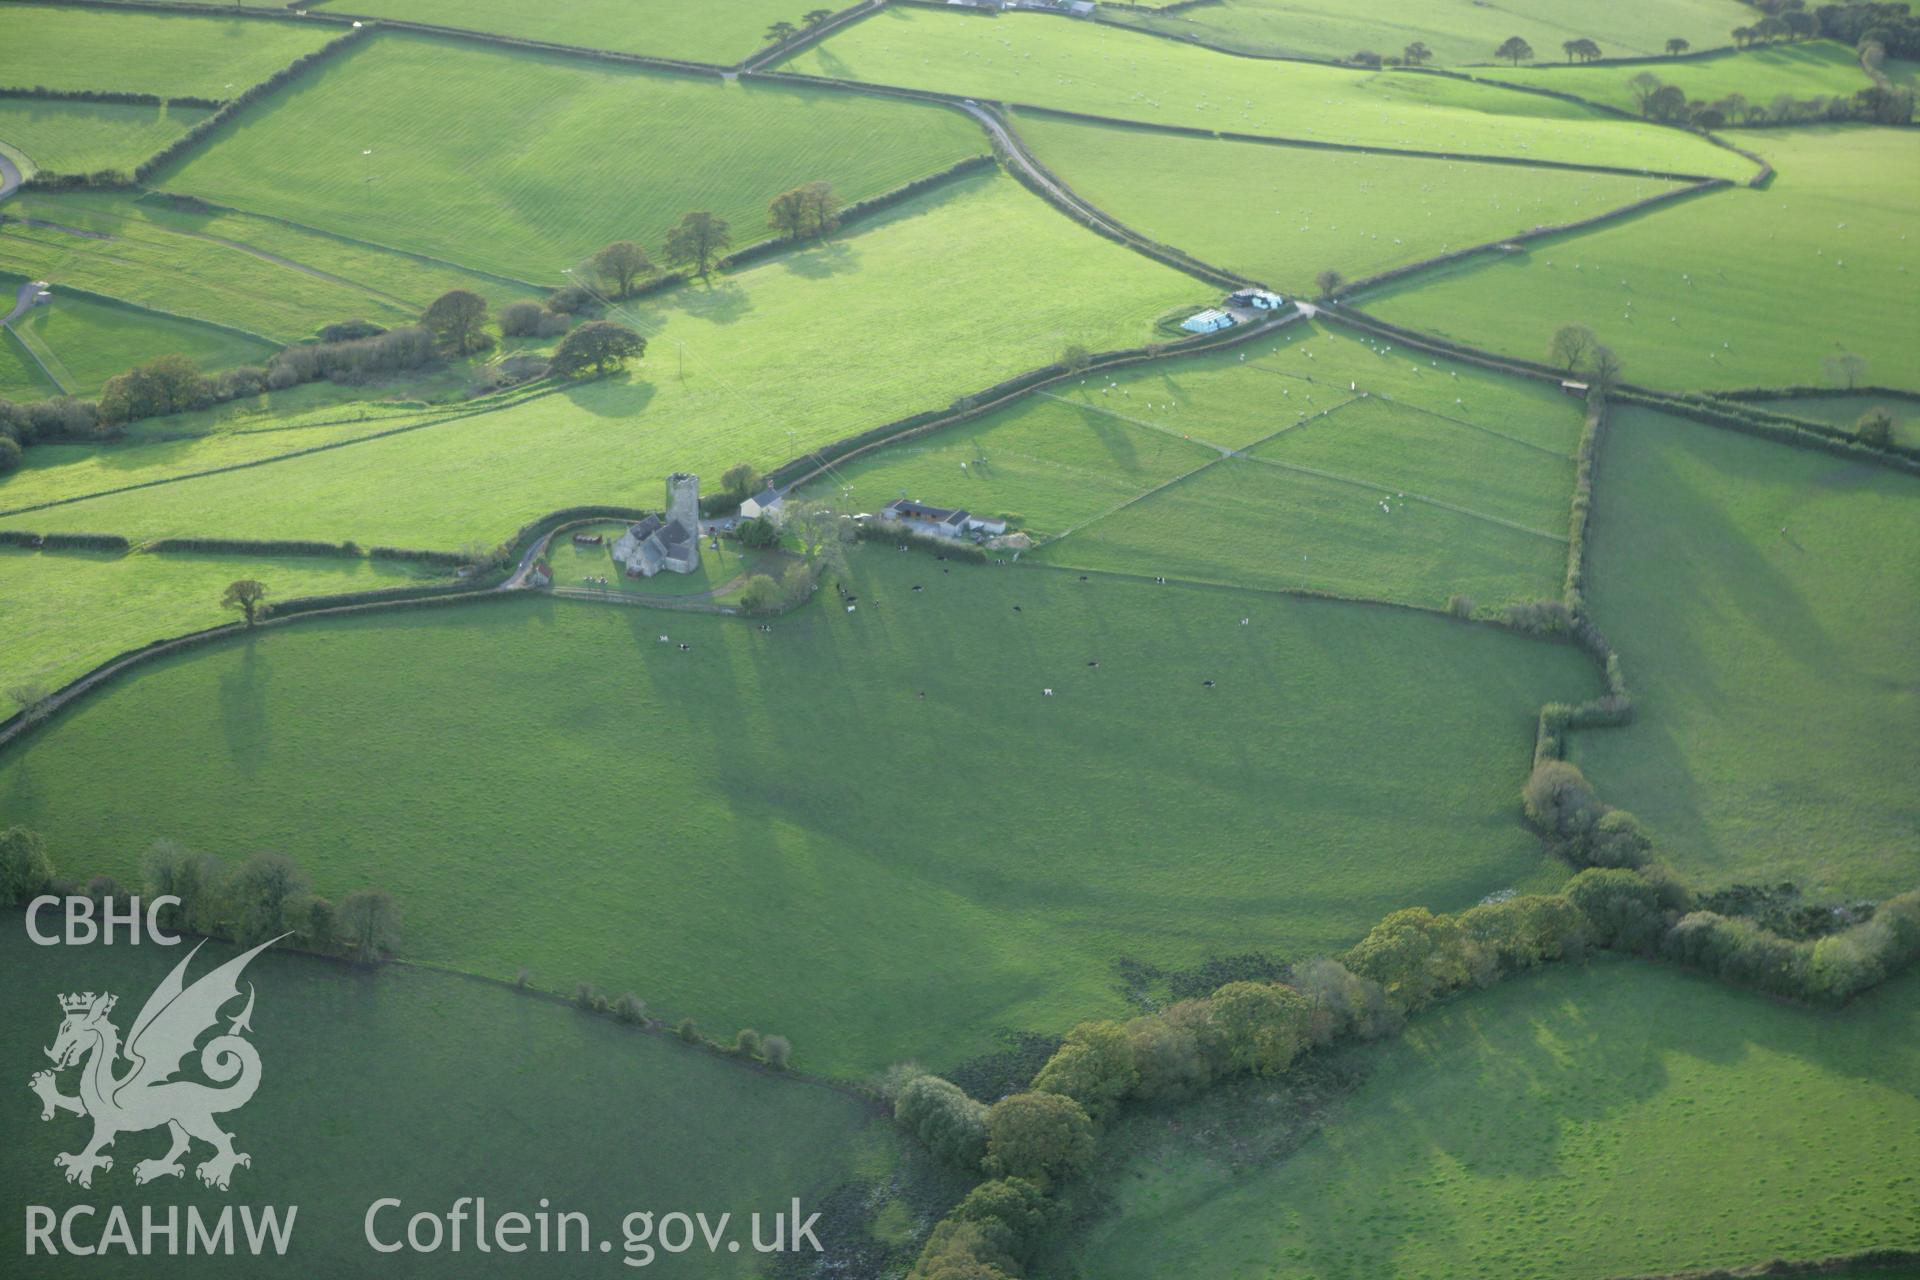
1458, 31
1739, 288
938, 297
161, 449
1039, 60
1773, 672
86, 340
84, 137
427, 1087
225, 267
20, 377
692, 31
1845, 411
1245, 524
1476, 469
1817, 69
524, 163
69, 611
1296, 211
912, 873
163, 53
1617, 1119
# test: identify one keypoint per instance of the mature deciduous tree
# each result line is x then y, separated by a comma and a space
457, 317
249, 596
599, 345
697, 239
1514, 50
1042, 1137
620, 264
369, 922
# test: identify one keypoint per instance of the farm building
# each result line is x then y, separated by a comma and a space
1212, 320
1256, 299
669, 542
769, 502
941, 522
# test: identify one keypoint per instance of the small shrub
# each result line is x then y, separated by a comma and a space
630, 1008
746, 1043
778, 1052
1461, 606
687, 1029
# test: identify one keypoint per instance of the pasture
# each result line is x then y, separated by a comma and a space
1738, 288
523, 164
693, 32
1244, 524
170, 54
1475, 469
1621, 1118
164, 449
1772, 664
1816, 69
914, 873
940, 296
1039, 60
226, 267
468, 1089
1299, 210
69, 611
1845, 411
86, 137
1458, 31
86, 341
20, 377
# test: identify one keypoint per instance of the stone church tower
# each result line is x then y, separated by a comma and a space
683, 501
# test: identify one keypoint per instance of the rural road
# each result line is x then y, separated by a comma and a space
9, 176
1016, 151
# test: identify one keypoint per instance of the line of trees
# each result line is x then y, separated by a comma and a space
1669, 104
1029, 1143
263, 897
780, 32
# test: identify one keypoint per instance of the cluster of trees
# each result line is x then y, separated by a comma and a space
1669, 104
783, 31
598, 346
811, 209
822, 536
1783, 20
55, 418
359, 353
1892, 29
1577, 349
1633, 903
1876, 427
172, 384
1516, 50
261, 898
774, 1051
1031, 1142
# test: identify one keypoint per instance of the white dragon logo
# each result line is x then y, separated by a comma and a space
146, 1097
